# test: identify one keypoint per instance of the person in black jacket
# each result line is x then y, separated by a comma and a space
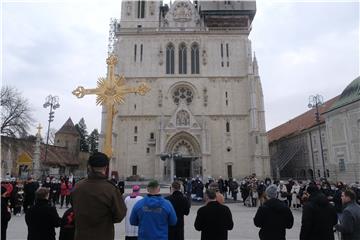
29, 193
5, 213
273, 217
42, 219
214, 220
318, 218
182, 207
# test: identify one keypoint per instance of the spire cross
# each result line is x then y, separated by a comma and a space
109, 92
39, 129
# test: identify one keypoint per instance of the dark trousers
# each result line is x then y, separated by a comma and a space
17, 209
130, 238
67, 200
3, 230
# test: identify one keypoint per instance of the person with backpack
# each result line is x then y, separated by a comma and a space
67, 225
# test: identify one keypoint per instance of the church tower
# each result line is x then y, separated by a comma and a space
204, 114
68, 137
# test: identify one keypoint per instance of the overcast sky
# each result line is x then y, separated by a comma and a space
51, 47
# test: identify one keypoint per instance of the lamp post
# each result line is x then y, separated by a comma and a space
315, 102
53, 103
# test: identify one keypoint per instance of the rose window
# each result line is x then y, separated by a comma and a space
183, 94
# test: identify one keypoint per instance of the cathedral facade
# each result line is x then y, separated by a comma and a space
205, 113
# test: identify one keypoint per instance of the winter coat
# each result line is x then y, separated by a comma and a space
42, 219
318, 218
29, 192
273, 217
97, 205
67, 226
65, 189
182, 207
350, 222
153, 214
130, 230
214, 220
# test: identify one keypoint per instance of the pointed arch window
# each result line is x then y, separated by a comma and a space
141, 8
170, 59
182, 59
195, 59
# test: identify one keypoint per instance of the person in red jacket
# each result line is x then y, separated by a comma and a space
65, 189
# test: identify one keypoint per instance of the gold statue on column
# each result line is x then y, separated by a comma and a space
110, 91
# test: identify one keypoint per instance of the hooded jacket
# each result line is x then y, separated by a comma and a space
153, 214
318, 218
273, 218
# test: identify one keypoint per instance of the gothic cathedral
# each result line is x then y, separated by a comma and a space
204, 115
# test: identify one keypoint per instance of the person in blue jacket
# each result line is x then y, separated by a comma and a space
153, 214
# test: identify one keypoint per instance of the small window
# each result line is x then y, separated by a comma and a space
328, 173
229, 171
134, 170
141, 53
342, 165
135, 129
227, 50
222, 64
226, 102
135, 139
135, 50
228, 149
227, 127
135, 106
318, 172
147, 150
256, 139
152, 135
222, 50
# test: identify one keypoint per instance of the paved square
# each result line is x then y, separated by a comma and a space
244, 228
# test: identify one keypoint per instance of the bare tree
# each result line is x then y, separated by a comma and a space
15, 113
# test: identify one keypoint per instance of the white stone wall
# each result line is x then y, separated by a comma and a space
343, 131
220, 94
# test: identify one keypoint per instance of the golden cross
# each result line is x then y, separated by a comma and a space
110, 91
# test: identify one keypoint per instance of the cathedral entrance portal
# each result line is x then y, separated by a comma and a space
183, 168
187, 162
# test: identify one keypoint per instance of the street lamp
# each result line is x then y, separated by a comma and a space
53, 103
315, 102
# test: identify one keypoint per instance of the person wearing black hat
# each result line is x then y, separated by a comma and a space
5, 213
318, 217
97, 202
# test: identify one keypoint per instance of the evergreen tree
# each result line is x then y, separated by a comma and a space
93, 141
81, 127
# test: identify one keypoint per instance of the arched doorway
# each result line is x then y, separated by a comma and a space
188, 160
24, 165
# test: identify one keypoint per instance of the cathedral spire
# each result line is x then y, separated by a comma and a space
255, 66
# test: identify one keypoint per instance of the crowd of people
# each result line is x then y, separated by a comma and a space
95, 203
